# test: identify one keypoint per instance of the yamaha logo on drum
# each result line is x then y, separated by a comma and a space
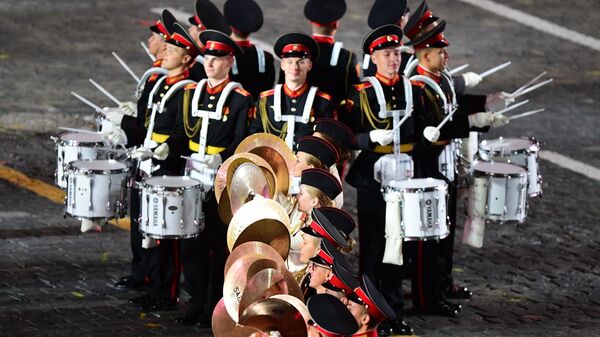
428, 213
155, 211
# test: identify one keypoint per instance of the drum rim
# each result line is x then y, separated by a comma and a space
443, 186
74, 142
105, 171
533, 147
145, 185
521, 174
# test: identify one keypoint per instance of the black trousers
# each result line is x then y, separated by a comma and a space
138, 260
204, 260
446, 252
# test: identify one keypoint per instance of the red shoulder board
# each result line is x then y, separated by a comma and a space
418, 84
191, 86
362, 86
267, 93
324, 95
242, 92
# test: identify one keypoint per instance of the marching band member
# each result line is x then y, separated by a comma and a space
255, 68
335, 70
329, 317
212, 124
385, 12
368, 307
130, 130
338, 134
290, 110
363, 113
168, 93
207, 16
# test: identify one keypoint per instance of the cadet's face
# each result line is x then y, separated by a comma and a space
387, 61
309, 247
156, 44
217, 66
174, 57
296, 68
357, 310
306, 202
301, 164
318, 274
438, 59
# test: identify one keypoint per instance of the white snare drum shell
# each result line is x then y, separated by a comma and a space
74, 146
171, 207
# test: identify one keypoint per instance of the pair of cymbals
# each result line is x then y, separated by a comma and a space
253, 277
276, 152
262, 220
283, 313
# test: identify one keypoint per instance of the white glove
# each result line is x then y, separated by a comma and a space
499, 120
128, 108
471, 79
481, 119
383, 137
115, 136
213, 161
431, 133
197, 164
498, 101
161, 152
141, 154
113, 115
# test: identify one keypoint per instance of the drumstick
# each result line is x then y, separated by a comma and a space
79, 130
105, 92
110, 149
126, 67
88, 102
459, 69
524, 86
512, 107
445, 120
525, 114
532, 88
495, 69
152, 57
192, 159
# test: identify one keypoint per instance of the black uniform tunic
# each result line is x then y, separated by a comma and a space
248, 74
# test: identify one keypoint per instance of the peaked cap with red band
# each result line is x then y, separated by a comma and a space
382, 37
319, 148
324, 12
164, 26
243, 15
208, 16
330, 316
296, 45
368, 295
218, 44
180, 38
322, 180
386, 12
431, 39
322, 227
419, 20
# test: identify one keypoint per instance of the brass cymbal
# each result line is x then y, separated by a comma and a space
274, 314
253, 248
265, 283
237, 278
224, 208
261, 220
292, 285
297, 303
247, 181
224, 326
276, 152
221, 176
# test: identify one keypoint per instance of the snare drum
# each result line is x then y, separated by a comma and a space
447, 161
96, 189
517, 151
171, 207
392, 167
467, 154
498, 192
422, 207
74, 146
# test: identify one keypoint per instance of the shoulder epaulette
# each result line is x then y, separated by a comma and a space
324, 95
362, 86
191, 86
242, 92
267, 93
418, 84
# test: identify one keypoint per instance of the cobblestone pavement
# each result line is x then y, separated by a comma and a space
537, 279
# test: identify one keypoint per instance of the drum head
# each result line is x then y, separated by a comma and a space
498, 168
98, 165
80, 137
171, 181
420, 183
506, 144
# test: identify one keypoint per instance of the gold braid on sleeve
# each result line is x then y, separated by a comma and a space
189, 131
365, 107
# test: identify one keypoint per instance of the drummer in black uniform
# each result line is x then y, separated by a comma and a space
335, 70
206, 16
212, 124
255, 68
385, 12
374, 137
181, 50
290, 110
